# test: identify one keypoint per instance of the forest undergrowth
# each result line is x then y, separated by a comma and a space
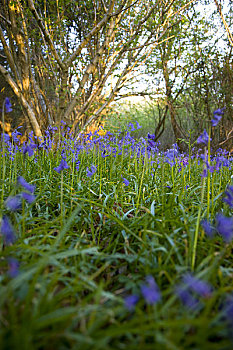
109, 243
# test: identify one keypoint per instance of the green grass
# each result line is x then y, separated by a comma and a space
87, 243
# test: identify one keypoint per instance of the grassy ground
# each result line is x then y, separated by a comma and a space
111, 253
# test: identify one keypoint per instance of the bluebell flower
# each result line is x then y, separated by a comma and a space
225, 227
13, 203
186, 297
131, 301
126, 182
228, 310
150, 136
28, 149
150, 291
7, 230
77, 165
217, 116
5, 138
63, 165
203, 138
92, 171
15, 135
22, 182
138, 126
8, 106
229, 196
200, 287
131, 127
209, 230
204, 173
13, 265
30, 198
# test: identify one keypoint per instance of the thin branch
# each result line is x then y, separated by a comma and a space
229, 35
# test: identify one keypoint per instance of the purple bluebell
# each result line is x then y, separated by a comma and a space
28, 149
131, 301
92, 171
186, 297
63, 165
209, 230
200, 287
210, 167
217, 116
150, 136
229, 196
203, 138
30, 198
22, 182
15, 135
13, 203
7, 230
225, 227
204, 173
5, 137
13, 269
138, 125
131, 127
229, 308
8, 106
77, 165
126, 182
150, 291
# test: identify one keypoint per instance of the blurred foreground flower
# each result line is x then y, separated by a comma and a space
13, 270
229, 196
225, 227
131, 301
13, 203
150, 291
209, 230
22, 182
186, 297
229, 309
7, 230
200, 287
190, 288
30, 198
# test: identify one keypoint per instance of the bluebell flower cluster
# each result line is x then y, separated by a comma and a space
108, 145
190, 291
